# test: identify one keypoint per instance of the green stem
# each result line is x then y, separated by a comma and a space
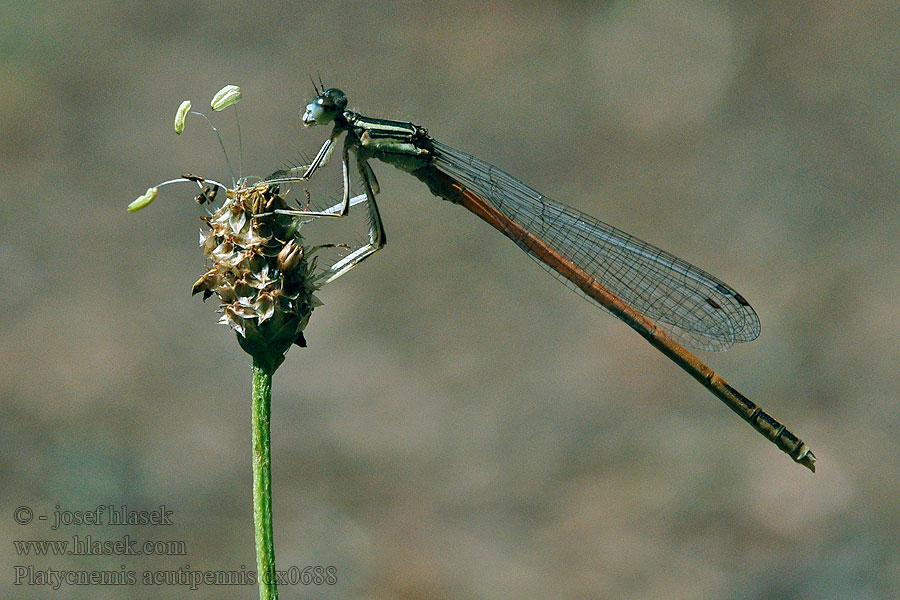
262, 480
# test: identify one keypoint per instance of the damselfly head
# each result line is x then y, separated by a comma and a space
325, 108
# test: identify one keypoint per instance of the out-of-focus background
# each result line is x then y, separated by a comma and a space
461, 425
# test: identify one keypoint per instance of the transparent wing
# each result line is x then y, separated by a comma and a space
696, 308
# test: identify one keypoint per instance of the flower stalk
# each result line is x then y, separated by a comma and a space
262, 480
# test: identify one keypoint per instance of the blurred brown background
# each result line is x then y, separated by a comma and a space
462, 425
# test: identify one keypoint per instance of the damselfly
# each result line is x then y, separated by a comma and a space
670, 302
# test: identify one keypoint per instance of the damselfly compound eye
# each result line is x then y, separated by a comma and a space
325, 108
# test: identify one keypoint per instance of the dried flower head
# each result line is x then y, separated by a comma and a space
258, 265
259, 269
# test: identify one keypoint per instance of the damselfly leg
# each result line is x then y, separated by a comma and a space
376, 236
